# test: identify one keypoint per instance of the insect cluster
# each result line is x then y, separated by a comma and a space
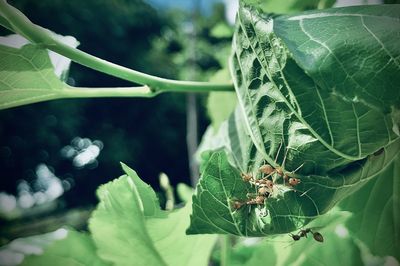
266, 184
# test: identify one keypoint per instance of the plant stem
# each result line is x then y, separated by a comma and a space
81, 92
36, 34
225, 250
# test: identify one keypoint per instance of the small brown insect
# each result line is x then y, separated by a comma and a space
264, 191
246, 177
258, 200
237, 204
266, 169
294, 181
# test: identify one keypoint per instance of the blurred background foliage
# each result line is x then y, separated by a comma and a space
54, 155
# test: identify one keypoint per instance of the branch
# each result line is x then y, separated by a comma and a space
20, 24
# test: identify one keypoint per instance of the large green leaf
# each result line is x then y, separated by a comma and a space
77, 249
340, 143
282, 102
376, 209
129, 228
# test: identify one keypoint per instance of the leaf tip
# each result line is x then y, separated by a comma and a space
129, 171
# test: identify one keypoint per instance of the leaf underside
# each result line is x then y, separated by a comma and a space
315, 92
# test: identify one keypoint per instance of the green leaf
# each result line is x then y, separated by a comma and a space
14, 252
76, 249
129, 228
287, 119
376, 209
396, 120
284, 251
184, 192
26, 76
283, 104
365, 53
287, 210
29, 73
289, 6
221, 30
220, 104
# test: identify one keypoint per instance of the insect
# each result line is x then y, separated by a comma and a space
303, 233
294, 181
246, 177
264, 184
269, 170
258, 200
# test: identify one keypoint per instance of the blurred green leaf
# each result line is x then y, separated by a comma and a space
76, 249
220, 104
284, 250
376, 208
222, 30
185, 192
26, 76
129, 230
14, 252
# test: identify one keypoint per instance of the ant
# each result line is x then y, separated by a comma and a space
294, 181
268, 170
303, 233
264, 185
264, 190
258, 200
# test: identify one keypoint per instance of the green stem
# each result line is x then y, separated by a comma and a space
225, 250
81, 92
36, 34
